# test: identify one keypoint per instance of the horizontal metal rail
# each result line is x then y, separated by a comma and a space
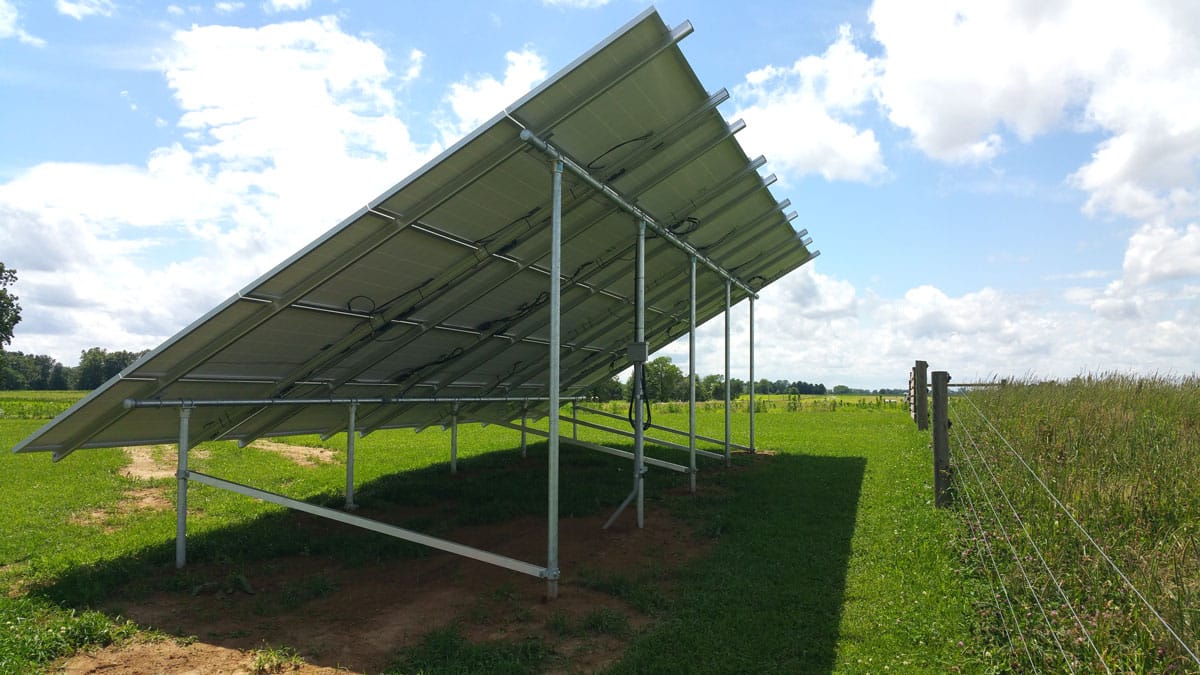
649, 461
617, 198
709, 439
626, 434
373, 525
202, 403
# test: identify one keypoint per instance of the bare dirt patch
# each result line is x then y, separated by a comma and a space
165, 656
140, 499
302, 455
357, 616
143, 464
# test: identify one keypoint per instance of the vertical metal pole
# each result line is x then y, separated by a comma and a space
941, 440
728, 398
181, 475
692, 380
524, 421
454, 440
575, 420
752, 374
555, 348
639, 370
350, 505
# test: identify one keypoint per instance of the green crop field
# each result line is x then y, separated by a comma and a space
822, 554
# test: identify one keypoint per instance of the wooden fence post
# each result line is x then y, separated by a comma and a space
941, 440
918, 402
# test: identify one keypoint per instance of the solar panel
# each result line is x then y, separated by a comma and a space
439, 287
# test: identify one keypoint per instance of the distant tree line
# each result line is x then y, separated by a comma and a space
20, 371
665, 381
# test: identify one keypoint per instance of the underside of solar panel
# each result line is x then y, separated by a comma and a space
439, 288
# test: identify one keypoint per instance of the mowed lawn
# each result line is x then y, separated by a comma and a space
827, 554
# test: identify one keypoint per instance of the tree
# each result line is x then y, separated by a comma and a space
713, 386
736, 387
608, 389
10, 311
97, 365
664, 380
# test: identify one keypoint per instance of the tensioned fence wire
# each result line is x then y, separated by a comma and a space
980, 532
978, 475
1077, 525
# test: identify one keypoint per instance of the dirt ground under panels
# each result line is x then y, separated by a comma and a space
356, 618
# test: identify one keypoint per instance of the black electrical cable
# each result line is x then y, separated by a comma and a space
685, 227
594, 166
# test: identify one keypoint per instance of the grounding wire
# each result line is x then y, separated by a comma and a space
1042, 558
1016, 558
1085, 534
1029, 581
977, 526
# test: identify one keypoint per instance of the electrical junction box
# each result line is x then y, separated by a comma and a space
638, 352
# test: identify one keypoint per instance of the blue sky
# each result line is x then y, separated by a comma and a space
998, 188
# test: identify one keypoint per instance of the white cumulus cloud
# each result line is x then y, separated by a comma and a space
798, 115
261, 170
1158, 252
286, 5
958, 75
476, 99
80, 9
10, 26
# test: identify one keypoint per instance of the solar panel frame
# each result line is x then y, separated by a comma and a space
437, 287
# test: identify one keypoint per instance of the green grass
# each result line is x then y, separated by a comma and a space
275, 660
447, 651
1121, 454
30, 405
827, 554
829, 558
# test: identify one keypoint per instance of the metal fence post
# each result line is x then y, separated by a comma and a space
941, 440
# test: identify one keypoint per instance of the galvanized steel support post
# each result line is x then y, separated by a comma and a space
575, 420
639, 371
350, 505
555, 353
454, 441
181, 475
752, 374
524, 445
638, 356
728, 396
692, 377
941, 439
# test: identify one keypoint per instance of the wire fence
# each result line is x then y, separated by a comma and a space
1068, 590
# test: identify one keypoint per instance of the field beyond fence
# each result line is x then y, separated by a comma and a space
1082, 500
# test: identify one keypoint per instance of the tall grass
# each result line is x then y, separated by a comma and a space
1122, 456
